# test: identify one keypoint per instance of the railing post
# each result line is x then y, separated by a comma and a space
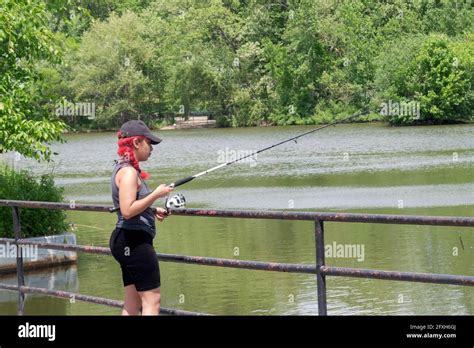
19, 261
321, 279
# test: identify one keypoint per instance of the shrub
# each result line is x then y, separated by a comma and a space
434, 71
22, 185
223, 121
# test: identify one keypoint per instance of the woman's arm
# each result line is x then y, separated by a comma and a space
129, 205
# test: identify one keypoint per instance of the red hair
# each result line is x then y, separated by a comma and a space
125, 151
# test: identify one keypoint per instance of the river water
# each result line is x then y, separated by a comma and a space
368, 168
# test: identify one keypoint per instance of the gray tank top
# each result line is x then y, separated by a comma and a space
145, 220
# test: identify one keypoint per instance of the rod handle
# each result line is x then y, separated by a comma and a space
182, 181
115, 209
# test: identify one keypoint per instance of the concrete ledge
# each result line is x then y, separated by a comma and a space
35, 257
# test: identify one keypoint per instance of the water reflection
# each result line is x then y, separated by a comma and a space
54, 278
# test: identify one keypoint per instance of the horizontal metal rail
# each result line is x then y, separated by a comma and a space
209, 261
319, 269
402, 276
333, 217
459, 221
86, 298
268, 266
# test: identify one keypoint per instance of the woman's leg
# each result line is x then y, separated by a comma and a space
150, 300
133, 302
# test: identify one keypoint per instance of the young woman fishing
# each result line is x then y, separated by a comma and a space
131, 241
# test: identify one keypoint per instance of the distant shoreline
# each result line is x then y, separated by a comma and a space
171, 128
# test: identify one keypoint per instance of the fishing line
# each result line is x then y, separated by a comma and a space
178, 200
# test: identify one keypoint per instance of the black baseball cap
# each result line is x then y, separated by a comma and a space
136, 128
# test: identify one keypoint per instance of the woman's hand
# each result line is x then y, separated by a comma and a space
162, 191
161, 214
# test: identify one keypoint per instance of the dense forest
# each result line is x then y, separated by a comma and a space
244, 62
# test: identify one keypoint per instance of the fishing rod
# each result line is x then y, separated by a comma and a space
178, 200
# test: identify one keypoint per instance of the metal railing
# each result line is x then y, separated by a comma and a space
319, 269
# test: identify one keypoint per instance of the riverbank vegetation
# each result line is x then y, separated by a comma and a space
25, 186
87, 64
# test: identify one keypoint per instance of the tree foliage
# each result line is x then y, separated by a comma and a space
25, 38
247, 62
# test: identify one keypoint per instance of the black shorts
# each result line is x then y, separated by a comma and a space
133, 249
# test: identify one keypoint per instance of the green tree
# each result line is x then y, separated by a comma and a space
197, 41
24, 39
115, 69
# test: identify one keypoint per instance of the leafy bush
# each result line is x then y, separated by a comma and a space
439, 80
222, 121
327, 112
22, 185
247, 109
435, 72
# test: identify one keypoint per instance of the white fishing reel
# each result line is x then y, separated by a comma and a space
176, 201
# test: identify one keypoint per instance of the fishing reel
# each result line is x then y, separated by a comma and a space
176, 201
